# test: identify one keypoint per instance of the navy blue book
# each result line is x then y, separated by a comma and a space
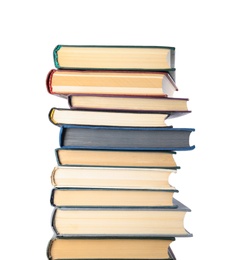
125, 138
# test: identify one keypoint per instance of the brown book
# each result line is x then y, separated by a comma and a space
110, 248
114, 158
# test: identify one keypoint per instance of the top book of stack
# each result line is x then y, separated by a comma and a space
114, 57
101, 57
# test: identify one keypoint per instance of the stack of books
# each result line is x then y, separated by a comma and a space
111, 193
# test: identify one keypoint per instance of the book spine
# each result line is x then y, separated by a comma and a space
52, 176
48, 250
53, 222
52, 196
61, 136
49, 80
57, 157
51, 116
55, 56
69, 101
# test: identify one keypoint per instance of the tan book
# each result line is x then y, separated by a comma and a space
66, 82
129, 103
112, 197
110, 248
114, 158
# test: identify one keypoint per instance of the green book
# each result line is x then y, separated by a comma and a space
104, 57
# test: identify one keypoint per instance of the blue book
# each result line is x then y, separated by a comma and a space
125, 138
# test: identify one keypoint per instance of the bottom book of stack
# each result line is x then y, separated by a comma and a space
110, 248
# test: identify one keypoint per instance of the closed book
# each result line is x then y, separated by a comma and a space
146, 103
121, 221
112, 197
111, 177
71, 248
105, 57
125, 138
65, 116
63, 82
114, 158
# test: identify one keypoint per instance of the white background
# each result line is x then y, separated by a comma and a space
207, 37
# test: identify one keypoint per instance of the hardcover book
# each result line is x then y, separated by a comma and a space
65, 116
114, 158
128, 103
112, 197
66, 82
60, 248
121, 222
125, 138
111, 177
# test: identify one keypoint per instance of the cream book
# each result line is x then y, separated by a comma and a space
111, 177
121, 221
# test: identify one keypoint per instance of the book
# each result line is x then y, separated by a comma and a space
114, 158
156, 58
128, 103
110, 248
112, 197
63, 82
122, 221
111, 177
125, 138
65, 116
